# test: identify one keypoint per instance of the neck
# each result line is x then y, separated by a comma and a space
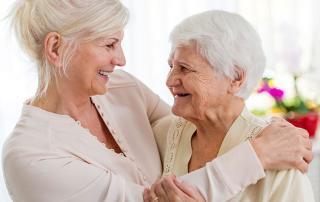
218, 120
61, 101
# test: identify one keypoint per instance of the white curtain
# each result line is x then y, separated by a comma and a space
289, 30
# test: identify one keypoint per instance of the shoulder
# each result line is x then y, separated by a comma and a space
252, 119
33, 135
24, 141
164, 123
287, 185
254, 124
291, 177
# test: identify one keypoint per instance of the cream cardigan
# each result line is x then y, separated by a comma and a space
50, 157
278, 186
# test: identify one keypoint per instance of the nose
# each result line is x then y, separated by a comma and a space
173, 79
119, 59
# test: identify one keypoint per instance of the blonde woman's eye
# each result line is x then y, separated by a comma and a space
110, 46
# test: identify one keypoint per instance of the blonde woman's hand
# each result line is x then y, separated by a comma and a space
171, 189
283, 146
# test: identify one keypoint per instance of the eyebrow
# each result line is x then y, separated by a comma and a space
184, 63
116, 39
104, 40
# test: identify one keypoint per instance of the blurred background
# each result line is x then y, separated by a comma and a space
289, 30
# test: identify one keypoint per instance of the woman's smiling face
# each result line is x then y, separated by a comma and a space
92, 64
194, 84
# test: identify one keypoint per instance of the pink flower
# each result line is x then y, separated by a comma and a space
276, 93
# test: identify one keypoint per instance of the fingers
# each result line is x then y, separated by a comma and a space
304, 133
281, 147
308, 156
160, 192
302, 166
307, 143
172, 190
180, 191
149, 196
190, 190
146, 195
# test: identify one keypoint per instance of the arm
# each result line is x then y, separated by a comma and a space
220, 181
65, 179
288, 185
156, 108
217, 181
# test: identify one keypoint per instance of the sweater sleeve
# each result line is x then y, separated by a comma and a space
288, 185
227, 175
59, 178
156, 108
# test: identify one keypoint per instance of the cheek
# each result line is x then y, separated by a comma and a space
201, 86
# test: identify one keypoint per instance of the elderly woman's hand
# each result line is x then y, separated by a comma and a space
170, 188
283, 146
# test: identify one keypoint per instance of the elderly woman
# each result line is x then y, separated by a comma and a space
86, 135
215, 63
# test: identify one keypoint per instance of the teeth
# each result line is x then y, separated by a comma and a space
104, 73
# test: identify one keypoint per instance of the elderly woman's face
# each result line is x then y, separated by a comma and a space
194, 84
93, 63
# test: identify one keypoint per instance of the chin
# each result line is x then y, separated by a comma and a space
177, 111
100, 91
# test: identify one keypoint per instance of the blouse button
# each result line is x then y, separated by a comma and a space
101, 114
78, 122
98, 106
113, 131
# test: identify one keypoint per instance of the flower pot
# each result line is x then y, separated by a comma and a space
307, 121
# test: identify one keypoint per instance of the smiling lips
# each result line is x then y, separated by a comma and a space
181, 95
105, 74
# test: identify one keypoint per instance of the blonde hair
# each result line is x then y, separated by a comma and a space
74, 20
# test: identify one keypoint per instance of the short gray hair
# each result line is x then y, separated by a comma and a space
227, 41
74, 20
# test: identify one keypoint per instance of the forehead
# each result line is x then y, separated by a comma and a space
118, 36
188, 54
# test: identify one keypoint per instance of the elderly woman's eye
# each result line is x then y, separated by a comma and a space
184, 69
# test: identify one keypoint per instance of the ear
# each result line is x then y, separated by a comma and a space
237, 82
52, 48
